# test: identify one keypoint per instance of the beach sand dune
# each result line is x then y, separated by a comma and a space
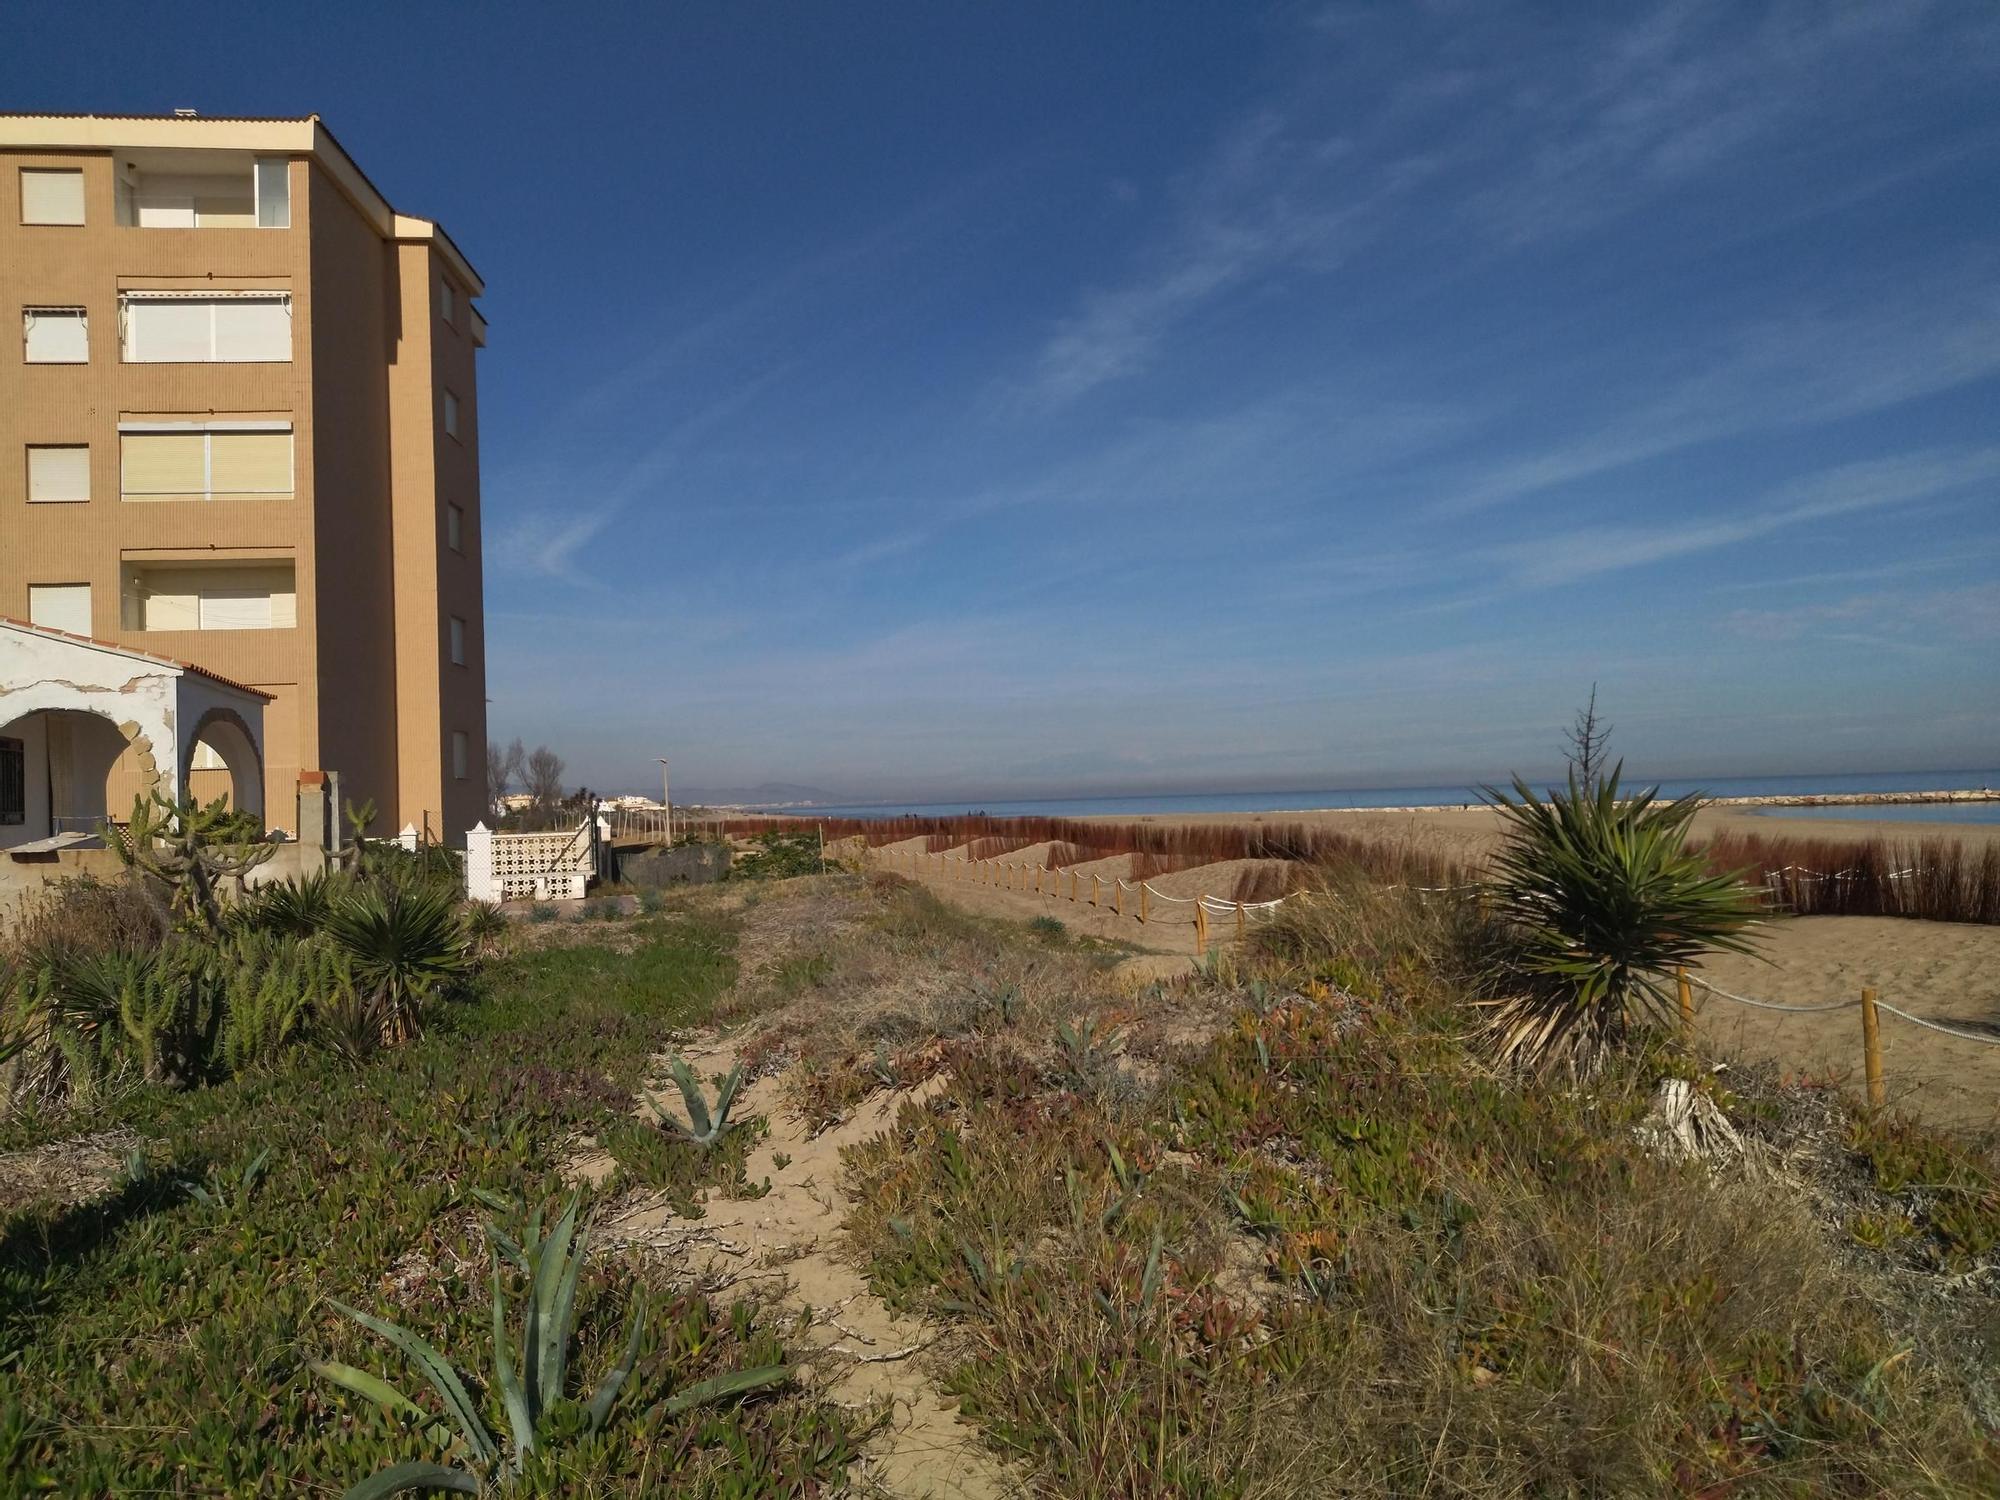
1945, 971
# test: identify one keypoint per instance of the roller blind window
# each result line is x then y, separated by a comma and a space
60, 606
208, 330
58, 473
51, 196
206, 465
457, 641
235, 609
56, 335
235, 598
249, 465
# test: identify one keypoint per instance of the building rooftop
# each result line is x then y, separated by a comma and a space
305, 135
50, 632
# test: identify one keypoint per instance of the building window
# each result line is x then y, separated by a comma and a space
254, 596
60, 606
13, 781
459, 755
180, 328
51, 195
56, 335
274, 192
457, 641
451, 414
215, 461
58, 472
454, 527
155, 193
447, 302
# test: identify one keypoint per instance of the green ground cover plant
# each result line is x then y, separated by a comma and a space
1336, 1249
157, 1338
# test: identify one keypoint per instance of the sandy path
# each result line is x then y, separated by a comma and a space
784, 1247
1942, 970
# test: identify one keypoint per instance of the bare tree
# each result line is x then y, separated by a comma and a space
544, 769
1589, 740
503, 769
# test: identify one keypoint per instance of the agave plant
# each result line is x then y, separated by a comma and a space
1602, 899
529, 1380
403, 943
705, 1126
297, 907
485, 925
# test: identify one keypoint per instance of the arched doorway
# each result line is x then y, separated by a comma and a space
60, 764
223, 760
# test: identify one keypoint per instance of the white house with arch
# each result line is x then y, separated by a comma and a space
74, 710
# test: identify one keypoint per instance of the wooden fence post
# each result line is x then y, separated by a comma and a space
1200, 926
1239, 921
1143, 888
1687, 1002
1093, 890
1118, 897
1871, 1041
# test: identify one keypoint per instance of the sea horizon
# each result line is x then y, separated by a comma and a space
1363, 798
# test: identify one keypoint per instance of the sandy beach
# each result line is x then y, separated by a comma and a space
1948, 972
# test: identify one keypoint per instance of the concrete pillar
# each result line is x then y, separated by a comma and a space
479, 882
314, 832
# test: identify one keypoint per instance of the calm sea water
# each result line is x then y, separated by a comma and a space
1454, 796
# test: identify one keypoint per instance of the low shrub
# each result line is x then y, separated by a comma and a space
126, 1320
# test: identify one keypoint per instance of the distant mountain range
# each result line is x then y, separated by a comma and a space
764, 794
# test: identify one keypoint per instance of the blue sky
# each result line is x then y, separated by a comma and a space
936, 400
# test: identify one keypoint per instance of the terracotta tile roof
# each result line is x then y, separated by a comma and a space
133, 651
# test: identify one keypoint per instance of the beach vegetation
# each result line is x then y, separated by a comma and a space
1599, 899
175, 1265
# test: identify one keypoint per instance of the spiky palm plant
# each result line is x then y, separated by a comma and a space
297, 907
1601, 900
403, 944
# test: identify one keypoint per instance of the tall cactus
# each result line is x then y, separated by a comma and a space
192, 848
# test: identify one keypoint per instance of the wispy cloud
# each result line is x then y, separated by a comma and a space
1587, 551
1928, 621
1795, 371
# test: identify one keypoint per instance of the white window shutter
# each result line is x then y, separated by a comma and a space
167, 331
253, 330
157, 209
51, 195
235, 609
58, 474
60, 606
56, 335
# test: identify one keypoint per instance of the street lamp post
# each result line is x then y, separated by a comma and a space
667, 800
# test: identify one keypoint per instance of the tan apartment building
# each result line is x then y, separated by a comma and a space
239, 428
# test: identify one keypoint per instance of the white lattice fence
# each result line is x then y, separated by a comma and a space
547, 866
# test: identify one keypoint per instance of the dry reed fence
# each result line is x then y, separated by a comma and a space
1936, 879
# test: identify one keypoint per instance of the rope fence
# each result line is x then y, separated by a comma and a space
1868, 1002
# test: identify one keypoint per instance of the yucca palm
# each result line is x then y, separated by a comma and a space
1601, 899
403, 944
